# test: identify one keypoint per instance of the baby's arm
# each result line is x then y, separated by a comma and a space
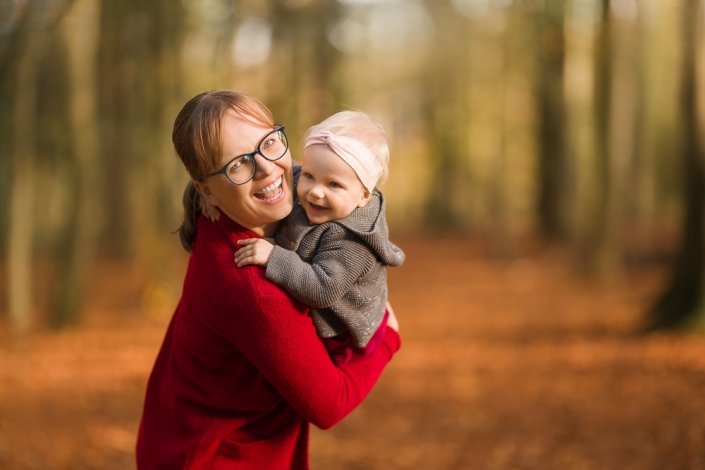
255, 251
335, 268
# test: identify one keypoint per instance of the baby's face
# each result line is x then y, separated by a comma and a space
328, 188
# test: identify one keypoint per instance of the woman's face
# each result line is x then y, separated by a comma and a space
267, 198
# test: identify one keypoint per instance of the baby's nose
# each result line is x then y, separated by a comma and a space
317, 191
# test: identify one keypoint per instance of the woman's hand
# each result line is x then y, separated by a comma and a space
392, 321
255, 251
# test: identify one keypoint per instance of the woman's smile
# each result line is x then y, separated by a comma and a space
271, 193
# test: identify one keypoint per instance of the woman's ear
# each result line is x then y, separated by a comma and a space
364, 198
206, 193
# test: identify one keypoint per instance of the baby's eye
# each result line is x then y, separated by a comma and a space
333, 184
308, 176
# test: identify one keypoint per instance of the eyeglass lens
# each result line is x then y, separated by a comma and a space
273, 147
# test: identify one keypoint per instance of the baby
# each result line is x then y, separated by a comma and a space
333, 249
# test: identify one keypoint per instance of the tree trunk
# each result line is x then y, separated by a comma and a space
31, 46
601, 251
307, 94
116, 147
21, 217
502, 244
80, 31
448, 122
553, 207
19, 242
682, 304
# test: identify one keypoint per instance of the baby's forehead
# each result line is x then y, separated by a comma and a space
319, 153
324, 162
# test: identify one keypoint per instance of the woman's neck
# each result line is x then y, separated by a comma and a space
268, 230
265, 231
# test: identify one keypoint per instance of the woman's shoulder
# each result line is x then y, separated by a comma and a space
213, 259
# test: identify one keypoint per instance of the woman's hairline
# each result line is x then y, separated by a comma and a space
243, 114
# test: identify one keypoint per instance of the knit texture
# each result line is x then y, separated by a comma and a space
241, 371
339, 268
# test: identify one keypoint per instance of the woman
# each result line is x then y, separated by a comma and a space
241, 371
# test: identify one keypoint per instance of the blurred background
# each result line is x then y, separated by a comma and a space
546, 180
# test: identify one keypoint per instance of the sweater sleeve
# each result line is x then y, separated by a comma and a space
337, 265
275, 333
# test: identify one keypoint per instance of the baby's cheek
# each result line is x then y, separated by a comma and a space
301, 189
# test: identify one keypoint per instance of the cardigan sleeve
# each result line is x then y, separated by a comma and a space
338, 264
275, 333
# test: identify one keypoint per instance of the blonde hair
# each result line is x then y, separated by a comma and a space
199, 144
361, 127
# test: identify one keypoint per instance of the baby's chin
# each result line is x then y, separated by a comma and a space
316, 218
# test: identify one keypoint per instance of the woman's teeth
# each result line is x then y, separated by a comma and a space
274, 187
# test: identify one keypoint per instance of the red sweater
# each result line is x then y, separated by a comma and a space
241, 371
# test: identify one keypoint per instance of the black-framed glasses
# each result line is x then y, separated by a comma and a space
242, 168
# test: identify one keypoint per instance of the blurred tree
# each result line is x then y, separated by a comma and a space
141, 87
35, 28
640, 211
448, 76
310, 63
139, 82
601, 250
460, 81
114, 100
9, 19
683, 302
554, 178
502, 243
80, 32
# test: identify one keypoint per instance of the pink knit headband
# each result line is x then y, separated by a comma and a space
355, 154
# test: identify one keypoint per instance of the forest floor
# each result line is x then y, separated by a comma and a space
514, 364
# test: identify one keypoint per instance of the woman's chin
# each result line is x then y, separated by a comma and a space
278, 208
283, 209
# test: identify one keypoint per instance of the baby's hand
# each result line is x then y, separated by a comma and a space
210, 211
255, 251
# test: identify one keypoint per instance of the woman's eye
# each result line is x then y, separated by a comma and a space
267, 143
239, 164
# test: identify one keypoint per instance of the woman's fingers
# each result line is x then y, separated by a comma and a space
392, 321
247, 241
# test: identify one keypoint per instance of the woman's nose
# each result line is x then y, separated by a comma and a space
263, 166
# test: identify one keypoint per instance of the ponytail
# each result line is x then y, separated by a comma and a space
192, 207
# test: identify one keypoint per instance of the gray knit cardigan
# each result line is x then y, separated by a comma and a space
339, 268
